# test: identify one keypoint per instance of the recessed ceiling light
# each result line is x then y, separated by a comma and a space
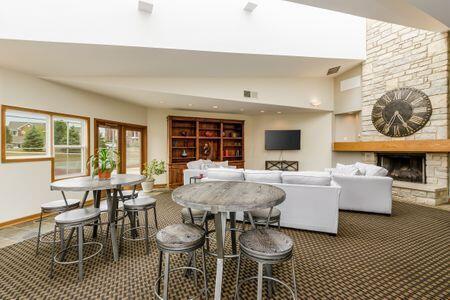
315, 102
190, 104
279, 112
250, 6
261, 111
241, 109
161, 102
215, 106
145, 6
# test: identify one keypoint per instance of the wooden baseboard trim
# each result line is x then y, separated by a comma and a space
32, 217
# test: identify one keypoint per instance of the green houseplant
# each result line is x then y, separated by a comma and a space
103, 163
152, 168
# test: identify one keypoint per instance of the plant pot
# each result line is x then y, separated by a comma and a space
147, 186
104, 175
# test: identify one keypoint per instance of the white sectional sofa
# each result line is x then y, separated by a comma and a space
364, 188
312, 199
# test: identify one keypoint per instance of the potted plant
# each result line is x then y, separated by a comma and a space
152, 168
103, 162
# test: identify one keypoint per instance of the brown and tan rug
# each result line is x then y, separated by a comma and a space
373, 257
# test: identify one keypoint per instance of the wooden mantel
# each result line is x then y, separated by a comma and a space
437, 146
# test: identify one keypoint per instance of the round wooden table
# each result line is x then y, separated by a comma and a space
222, 197
112, 187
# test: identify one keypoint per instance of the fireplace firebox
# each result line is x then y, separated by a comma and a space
404, 167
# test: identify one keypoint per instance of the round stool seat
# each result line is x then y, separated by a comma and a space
178, 237
264, 213
77, 215
139, 202
60, 204
265, 243
104, 206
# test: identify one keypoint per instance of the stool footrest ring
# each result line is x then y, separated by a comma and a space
138, 239
202, 291
55, 258
267, 278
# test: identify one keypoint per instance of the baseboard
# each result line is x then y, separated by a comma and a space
32, 217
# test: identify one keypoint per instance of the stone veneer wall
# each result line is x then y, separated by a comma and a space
399, 56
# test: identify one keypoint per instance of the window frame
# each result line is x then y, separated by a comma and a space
51, 155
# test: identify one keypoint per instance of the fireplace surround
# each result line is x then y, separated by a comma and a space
410, 167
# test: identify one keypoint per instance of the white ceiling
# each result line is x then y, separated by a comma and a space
431, 15
67, 59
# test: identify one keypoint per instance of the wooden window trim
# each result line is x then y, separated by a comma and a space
122, 127
51, 158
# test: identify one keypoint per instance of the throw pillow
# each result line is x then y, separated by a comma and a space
372, 170
348, 170
306, 178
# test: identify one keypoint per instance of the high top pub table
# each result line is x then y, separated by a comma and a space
221, 198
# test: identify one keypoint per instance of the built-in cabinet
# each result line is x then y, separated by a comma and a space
203, 138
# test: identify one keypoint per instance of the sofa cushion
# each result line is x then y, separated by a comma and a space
349, 170
306, 178
226, 174
372, 170
262, 176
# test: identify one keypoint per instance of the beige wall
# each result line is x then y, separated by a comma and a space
315, 153
24, 186
316, 139
348, 100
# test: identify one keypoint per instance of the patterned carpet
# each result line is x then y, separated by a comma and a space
373, 257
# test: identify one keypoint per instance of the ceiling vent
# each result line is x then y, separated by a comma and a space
250, 94
333, 70
145, 6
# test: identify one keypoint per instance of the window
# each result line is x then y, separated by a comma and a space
27, 135
69, 143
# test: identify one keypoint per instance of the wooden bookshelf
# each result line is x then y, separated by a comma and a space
191, 139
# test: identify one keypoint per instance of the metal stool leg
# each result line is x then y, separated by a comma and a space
147, 243
294, 281
260, 280
156, 219
237, 276
52, 262
207, 230
122, 228
160, 270
39, 235
80, 252
166, 275
194, 265
205, 277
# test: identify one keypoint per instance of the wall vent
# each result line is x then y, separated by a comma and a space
333, 70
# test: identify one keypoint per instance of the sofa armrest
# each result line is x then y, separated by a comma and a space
365, 193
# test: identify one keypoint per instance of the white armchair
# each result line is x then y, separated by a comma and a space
365, 193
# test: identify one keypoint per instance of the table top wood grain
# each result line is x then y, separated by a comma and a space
89, 183
228, 196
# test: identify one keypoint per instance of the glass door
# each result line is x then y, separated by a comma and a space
108, 137
133, 150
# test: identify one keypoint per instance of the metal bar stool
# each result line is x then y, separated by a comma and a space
57, 206
233, 229
175, 239
133, 207
196, 216
263, 217
77, 218
267, 247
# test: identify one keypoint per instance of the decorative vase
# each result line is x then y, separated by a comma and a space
104, 175
147, 186
184, 153
234, 134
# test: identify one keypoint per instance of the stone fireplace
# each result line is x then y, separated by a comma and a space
404, 167
397, 57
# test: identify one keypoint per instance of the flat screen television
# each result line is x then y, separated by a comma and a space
282, 139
